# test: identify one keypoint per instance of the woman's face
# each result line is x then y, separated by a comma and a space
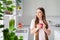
39, 13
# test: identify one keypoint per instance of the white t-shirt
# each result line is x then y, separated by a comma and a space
41, 32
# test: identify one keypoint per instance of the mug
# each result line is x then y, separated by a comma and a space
41, 25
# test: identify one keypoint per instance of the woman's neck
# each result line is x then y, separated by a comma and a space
40, 19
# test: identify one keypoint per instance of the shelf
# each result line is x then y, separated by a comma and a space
8, 15
1, 22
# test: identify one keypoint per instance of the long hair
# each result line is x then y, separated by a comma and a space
44, 21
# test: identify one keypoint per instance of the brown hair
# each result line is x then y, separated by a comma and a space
44, 21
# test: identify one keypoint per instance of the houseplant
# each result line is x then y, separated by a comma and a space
1, 15
18, 4
9, 35
11, 24
1, 10
8, 6
21, 37
1, 26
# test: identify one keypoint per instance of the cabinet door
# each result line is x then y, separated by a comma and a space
57, 35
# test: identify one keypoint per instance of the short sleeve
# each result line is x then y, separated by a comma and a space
32, 24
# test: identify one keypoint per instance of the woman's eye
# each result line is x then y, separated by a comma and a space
39, 12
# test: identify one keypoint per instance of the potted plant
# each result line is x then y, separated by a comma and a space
9, 35
12, 24
18, 4
1, 15
18, 1
21, 38
1, 10
8, 6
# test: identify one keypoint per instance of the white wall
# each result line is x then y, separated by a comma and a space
30, 6
29, 10
52, 8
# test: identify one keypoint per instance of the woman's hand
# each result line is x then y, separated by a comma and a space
38, 26
48, 31
44, 26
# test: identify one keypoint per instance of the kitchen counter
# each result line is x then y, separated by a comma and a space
23, 32
56, 28
55, 33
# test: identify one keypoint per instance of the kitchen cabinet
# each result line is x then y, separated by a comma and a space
57, 35
16, 12
22, 32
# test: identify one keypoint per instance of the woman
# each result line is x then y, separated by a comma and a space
39, 26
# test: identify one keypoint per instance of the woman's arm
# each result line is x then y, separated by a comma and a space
33, 30
48, 31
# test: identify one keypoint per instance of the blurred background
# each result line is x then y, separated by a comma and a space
25, 11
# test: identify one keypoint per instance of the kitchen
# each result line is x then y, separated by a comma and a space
27, 13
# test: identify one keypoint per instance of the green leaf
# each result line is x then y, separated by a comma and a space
16, 38
1, 15
12, 6
12, 34
1, 11
9, 9
1, 26
4, 1
9, 35
0, 4
11, 24
2, 8
6, 34
8, 2
1, 18
21, 37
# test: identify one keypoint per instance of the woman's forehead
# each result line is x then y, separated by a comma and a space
38, 10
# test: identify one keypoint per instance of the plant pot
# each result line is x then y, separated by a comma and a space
8, 13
